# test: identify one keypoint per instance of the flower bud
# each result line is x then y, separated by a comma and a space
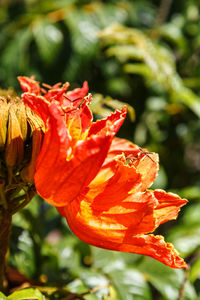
36, 124
21, 133
14, 151
3, 121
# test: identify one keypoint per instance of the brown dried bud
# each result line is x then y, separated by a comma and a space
36, 124
3, 121
14, 151
21, 133
22, 119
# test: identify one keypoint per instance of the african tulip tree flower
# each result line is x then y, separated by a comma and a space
99, 183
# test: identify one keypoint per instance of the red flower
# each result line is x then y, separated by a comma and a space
99, 183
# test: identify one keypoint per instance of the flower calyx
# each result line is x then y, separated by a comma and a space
21, 133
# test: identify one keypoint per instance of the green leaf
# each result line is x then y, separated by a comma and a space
194, 270
68, 254
49, 39
23, 257
190, 192
166, 280
186, 236
140, 69
93, 278
15, 57
191, 215
26, 294
130, 284
124, 52
83, 33
171, 32
127, 281
161, 180
2, 296
78, 287
107, 260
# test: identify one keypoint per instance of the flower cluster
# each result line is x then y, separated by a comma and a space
98, 182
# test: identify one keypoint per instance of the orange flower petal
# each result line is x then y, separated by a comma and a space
147, 166
156, 247
86, 115
57, 179
107, 215
28, 84
117, 228
146, 163
79, 120
106, 193
78, 93
38, 104
68, 176
168, 206
121, 145
110, 124
57, 93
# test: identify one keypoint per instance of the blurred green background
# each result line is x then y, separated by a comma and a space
144, 53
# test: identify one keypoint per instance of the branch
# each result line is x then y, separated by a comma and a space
163, 12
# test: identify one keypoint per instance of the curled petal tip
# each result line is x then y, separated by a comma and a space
28, 84
109, 125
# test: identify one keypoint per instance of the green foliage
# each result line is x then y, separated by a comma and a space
48, 39
65, 261
2, 296
103, 106
156, 63
186, 235
148, 58
28, 294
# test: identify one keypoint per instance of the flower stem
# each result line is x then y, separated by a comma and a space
8, 207
5, 230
